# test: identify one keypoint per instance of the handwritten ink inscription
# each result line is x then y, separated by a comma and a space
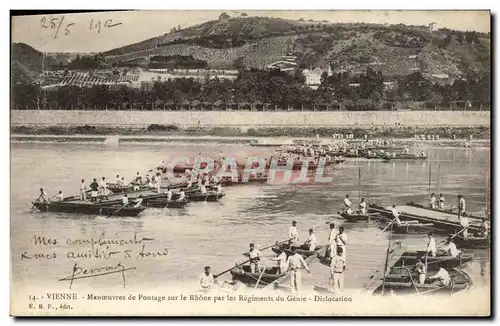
59, 25
117, 253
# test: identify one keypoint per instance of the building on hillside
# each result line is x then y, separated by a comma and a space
283, 65
313, 76
432, 27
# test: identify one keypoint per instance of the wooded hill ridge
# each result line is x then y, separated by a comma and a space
255, 42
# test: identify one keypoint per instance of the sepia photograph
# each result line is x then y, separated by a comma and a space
312, 163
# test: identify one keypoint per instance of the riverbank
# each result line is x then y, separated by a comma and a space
158, 138
154, 130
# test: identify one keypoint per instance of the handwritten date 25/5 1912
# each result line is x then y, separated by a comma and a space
56, 23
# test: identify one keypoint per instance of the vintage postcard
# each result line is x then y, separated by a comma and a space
251, 163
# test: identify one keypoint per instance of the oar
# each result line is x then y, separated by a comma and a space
413, 282
274, 244
452, 237
33, 206
230, 269
119, 209
390, 223
260, 276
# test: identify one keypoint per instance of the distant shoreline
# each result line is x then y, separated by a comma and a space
228, 135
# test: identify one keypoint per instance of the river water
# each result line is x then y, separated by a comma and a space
217, 234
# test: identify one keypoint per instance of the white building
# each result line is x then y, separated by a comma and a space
432, 27
313, 77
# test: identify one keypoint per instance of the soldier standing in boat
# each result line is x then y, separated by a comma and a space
94, 186
432, 201
83, 190
441, 201
43, 198
337, 268
347, 204
462, 219
206, 280
254, 255
103, 188
362, 206
332, 242
431, 245
118, 180
169, 194
461, 205
280, 258
293, 234
421, 270
294, 264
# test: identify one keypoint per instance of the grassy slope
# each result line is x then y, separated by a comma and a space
347, 45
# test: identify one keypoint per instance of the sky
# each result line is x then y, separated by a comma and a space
135, 26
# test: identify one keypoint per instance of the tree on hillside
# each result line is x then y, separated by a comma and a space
243, 14
224, 16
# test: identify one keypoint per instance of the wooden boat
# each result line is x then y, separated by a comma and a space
227, 182
404, 158
447, 262
472, 242
89, 208
443, 223
297, 165
302, 250
450, 211
353, 218
406, 282
411, 228
384, 148
244, 275
124, 189
163, 203
198, 196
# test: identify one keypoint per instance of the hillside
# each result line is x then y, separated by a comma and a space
255, 42
258, 41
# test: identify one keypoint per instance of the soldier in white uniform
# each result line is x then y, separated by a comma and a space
281, 261
206, 280
362, 206
332, 242
293, 234
83, 190
169, 194
254, 256
294, 264
431, 245
337, 268
432, 201
347, 203
311, 241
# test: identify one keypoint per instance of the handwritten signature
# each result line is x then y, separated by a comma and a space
80, 272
